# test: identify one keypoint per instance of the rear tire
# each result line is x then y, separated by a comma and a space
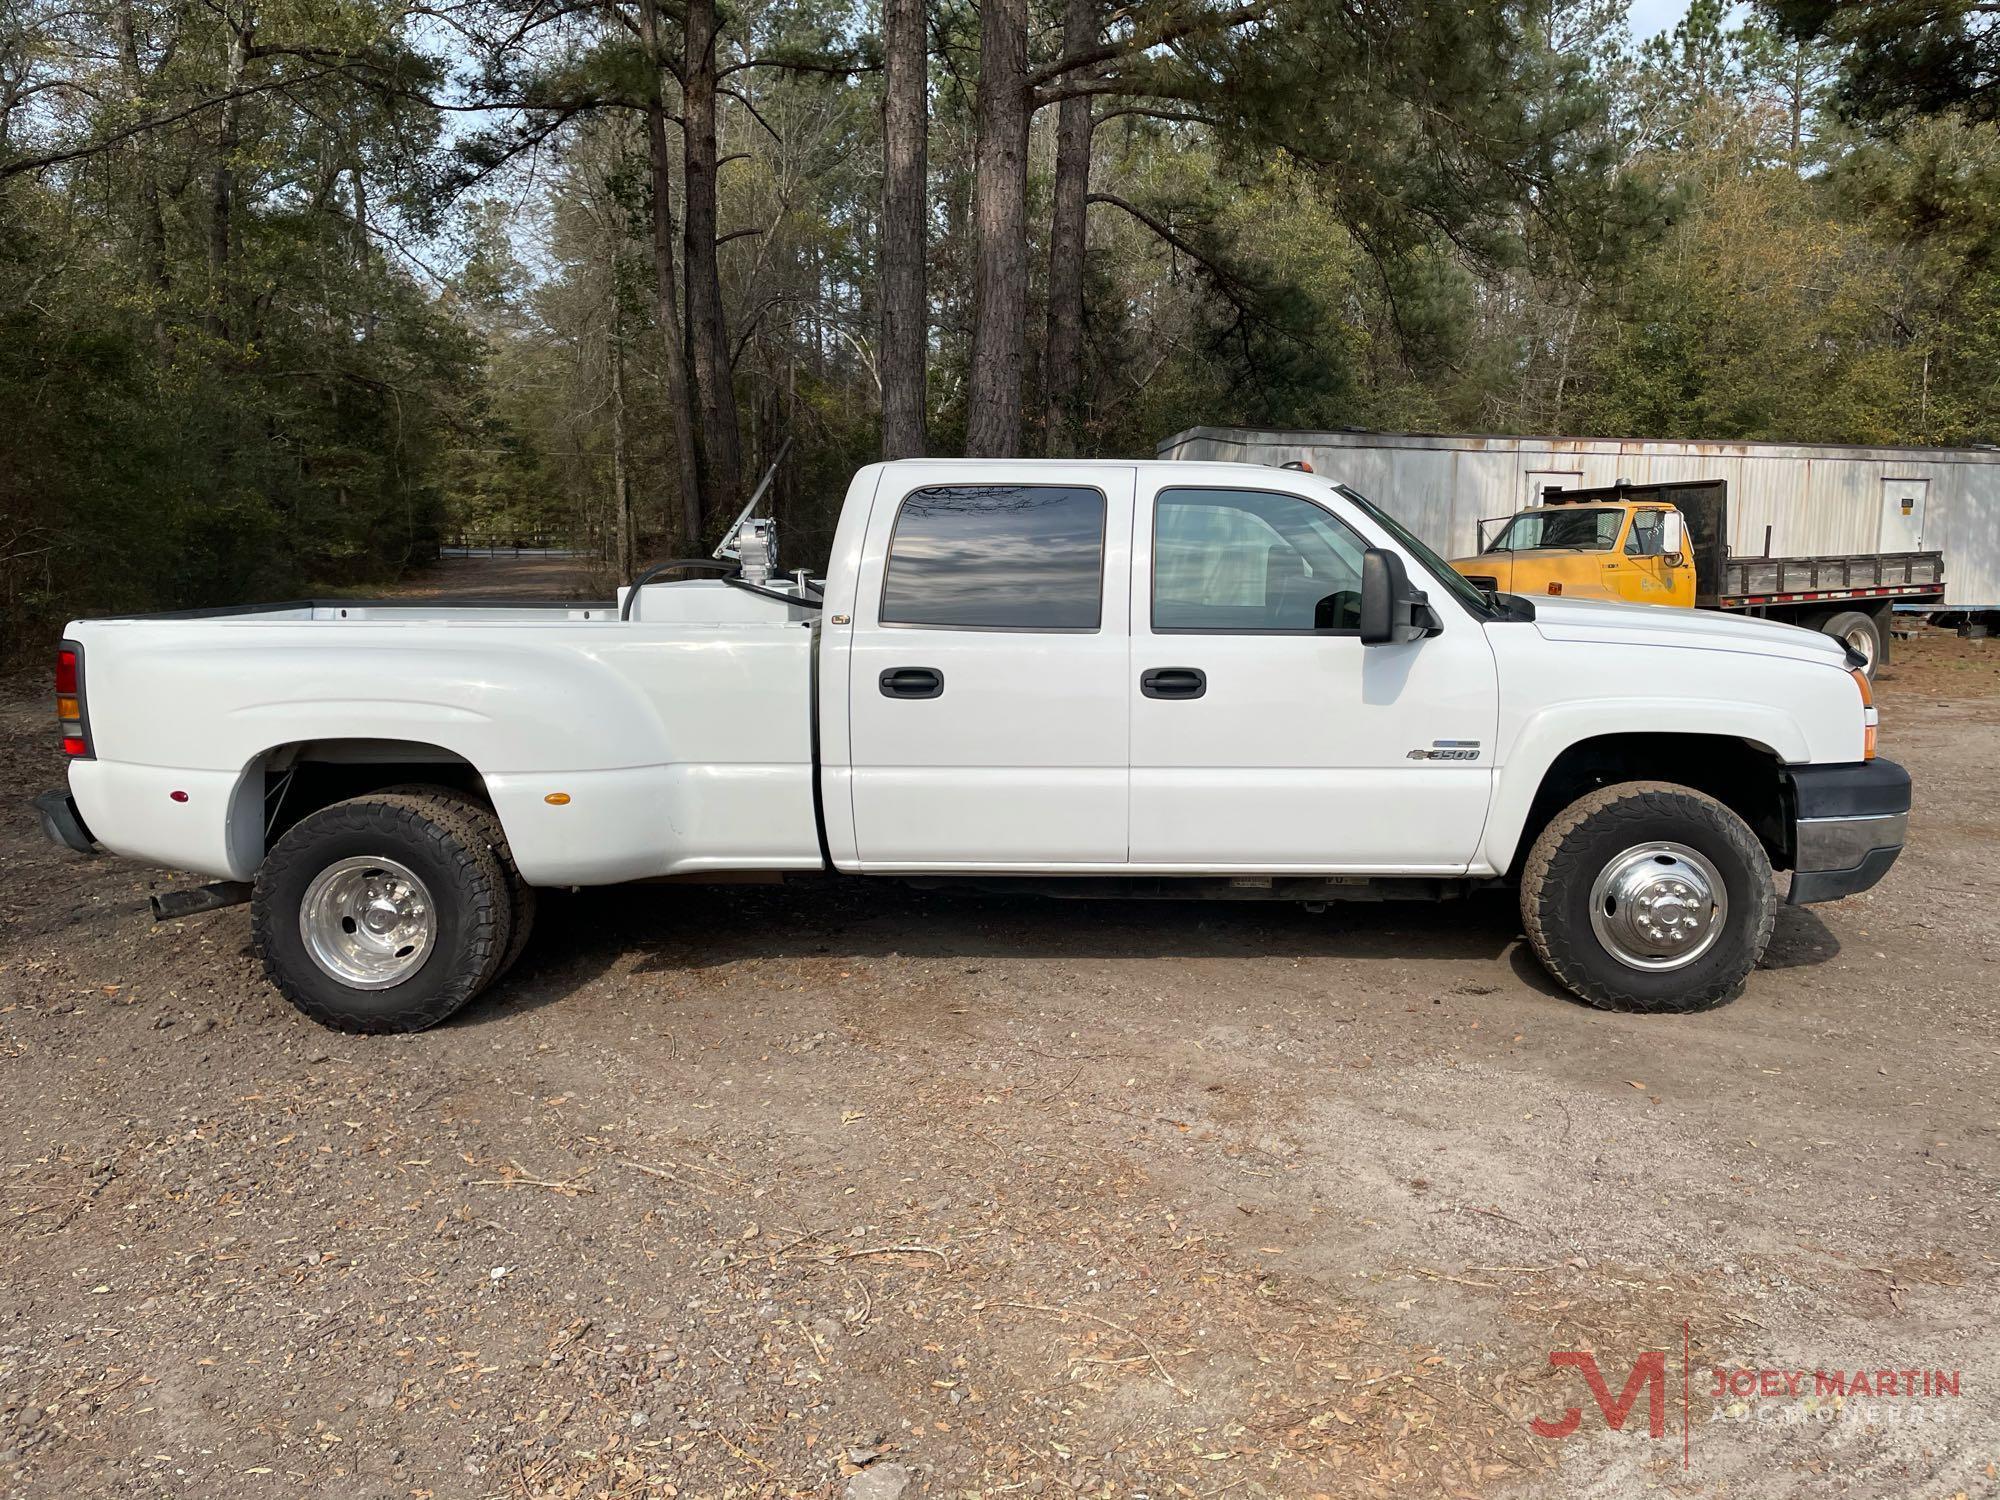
384, 913
1650, 897
487, 822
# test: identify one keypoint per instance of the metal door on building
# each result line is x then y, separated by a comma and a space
1903, 515
1551, 479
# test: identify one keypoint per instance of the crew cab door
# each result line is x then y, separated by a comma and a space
1265, 736
986, 677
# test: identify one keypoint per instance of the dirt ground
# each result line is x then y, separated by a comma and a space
850, 1190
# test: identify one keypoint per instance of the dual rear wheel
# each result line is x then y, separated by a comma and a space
388, 912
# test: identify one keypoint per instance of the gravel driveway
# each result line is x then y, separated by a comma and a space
841, 1188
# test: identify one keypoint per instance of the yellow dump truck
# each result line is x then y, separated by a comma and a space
1669, 544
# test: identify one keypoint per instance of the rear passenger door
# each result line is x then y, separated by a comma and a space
986, 687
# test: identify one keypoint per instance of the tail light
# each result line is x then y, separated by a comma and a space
1870, 718
69, 701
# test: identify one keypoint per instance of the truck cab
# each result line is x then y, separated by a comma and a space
1625, 551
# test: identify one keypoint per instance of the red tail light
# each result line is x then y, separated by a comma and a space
69, 702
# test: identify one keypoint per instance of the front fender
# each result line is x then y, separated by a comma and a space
1552, 730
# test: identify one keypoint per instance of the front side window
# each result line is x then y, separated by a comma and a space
1646, 535
997, 557
1251, 560
1583, 530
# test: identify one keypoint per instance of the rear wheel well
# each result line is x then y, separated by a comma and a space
298, 779
1747, 779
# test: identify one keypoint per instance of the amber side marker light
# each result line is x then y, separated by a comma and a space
1555, 588
557, 799
1870, 717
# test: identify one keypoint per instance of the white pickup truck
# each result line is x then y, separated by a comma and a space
1178, 679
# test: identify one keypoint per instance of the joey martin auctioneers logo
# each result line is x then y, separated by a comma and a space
1756, 1395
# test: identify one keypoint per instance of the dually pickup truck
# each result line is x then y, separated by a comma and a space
1085, 678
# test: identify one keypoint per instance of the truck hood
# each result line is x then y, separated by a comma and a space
1694, 629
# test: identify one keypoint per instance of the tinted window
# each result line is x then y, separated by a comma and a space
1250, 560
1008, 557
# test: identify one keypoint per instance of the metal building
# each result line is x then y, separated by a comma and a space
1785, 499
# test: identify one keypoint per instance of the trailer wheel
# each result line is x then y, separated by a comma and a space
1860, 633
383, 913
1645, 896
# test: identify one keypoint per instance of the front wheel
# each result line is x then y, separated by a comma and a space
383, 913
1645, 896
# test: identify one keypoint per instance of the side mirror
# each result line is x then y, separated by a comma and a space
1673, 533
1391, 611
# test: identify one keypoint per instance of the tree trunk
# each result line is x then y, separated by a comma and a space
626, 562
1063, 370
1000, 232
360, 217
667, 310
905, 205
708, 333
152, 222
222, 186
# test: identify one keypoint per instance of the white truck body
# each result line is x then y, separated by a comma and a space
683, 737
717, 730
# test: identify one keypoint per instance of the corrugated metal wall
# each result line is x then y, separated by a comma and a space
1814, 499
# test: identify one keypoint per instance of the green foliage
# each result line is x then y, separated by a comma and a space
1499, 217
210, 399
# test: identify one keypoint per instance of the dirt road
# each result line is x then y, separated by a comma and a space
776, 1191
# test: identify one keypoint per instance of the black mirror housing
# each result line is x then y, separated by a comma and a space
1391, 611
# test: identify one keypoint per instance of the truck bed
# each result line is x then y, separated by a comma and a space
1906, 577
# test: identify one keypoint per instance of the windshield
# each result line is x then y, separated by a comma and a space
1475, 599
1585, 530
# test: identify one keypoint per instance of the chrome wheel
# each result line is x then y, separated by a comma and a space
1861, 641
1658, 906
369, 923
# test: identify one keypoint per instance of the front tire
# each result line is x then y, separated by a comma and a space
1650, 897
383, 913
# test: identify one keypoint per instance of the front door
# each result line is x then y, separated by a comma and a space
1637, 569
986, 676
1265, 736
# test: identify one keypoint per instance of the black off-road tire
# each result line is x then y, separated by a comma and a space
1592, 831
487, 822
470, 895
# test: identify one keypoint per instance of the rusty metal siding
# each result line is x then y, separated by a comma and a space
1815, 499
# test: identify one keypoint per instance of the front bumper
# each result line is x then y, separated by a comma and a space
62, 823
1849, 825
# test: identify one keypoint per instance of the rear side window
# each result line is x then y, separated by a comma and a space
997, 557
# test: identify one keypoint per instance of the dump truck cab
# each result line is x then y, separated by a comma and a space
1668, 543
1588, 545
